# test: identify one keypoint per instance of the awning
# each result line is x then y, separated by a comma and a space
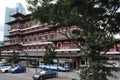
67, 50
110, 52
40, 43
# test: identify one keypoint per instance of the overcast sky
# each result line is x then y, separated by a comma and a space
3, 5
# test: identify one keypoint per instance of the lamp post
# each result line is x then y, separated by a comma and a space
36, 63
57, 64
35, 52
27, 58
36, 57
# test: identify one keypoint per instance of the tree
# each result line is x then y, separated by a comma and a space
97, 20
49, 55
15, 58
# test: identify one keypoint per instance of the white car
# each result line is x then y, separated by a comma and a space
53, 67
5, 69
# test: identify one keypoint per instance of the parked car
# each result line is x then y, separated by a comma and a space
5, 67
4, 64
53, 67
44, 74
18, 69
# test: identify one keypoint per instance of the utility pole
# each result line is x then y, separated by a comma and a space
36, 62
27, 58
57, 64
36, 57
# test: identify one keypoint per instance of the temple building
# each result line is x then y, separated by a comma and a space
28, 36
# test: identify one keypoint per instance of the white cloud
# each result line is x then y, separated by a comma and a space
117, 36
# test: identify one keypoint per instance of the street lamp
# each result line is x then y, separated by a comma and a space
35, 52
36, 57
27, 58
57, 64
36, 61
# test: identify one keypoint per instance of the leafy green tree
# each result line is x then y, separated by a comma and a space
15, 57
49, 55
97, 20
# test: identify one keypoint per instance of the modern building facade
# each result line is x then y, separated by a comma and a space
27, 36
9, 11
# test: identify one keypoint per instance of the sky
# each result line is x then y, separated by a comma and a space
3, 5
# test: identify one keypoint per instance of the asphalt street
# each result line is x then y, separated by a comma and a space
28, 75
61, 75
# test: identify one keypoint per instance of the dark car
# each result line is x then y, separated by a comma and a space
44, 74
18, 69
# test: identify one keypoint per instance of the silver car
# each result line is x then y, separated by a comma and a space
5, 67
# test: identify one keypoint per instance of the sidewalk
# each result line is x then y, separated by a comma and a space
32, 70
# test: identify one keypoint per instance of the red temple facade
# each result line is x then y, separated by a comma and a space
29, 36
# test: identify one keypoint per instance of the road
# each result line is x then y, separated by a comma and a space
28, 75
8, 76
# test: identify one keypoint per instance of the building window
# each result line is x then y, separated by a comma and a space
59, 34
51, 36
29, 47
34, 47
65, 32
25, 40
30, 24
46, 36
34, 38
82, 62
39, 46
66, 44
59, 45
26, 25
40, 37
30, 39
73, 44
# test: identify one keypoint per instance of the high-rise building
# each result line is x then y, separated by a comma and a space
10, 11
